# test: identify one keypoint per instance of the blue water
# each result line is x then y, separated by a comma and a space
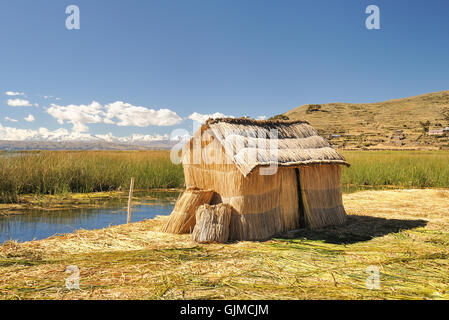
38, 224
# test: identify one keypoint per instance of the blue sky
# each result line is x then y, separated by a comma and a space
235, 57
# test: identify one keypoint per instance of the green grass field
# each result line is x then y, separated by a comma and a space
59, 172
406, 169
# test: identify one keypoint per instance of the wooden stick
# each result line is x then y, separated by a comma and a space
131, 189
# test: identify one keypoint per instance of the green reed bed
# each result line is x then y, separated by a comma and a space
55, 172
407, 169
58, 172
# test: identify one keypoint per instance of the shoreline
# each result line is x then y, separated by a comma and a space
76, 201
70, 201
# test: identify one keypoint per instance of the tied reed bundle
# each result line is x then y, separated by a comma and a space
212, 223
182, 219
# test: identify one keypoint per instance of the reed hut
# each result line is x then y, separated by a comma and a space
275, 175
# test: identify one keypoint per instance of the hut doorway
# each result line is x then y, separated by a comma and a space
302, 220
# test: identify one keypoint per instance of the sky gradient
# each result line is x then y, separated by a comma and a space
143, 67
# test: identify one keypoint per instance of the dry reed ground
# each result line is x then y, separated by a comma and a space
405, 233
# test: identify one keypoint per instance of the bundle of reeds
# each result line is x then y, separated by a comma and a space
182, 219
212, 223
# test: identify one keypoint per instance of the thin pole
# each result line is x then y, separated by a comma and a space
131, 189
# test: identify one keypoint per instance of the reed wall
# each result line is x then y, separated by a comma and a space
321, 195
263, 205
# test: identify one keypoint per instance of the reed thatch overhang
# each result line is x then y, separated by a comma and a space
251, 143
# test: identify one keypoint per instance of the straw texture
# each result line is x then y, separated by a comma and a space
182, 219
252, 143
321, 195
265, 200
212, 223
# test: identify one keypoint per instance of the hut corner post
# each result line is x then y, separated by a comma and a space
131, 189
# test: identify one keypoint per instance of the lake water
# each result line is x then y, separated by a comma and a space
38, 224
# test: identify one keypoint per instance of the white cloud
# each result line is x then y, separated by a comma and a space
19, 103
261, 118
129, 115
108, 121
36, 104
203, 117
10, 119
8, 133
135, 138
43, 134
77, 115
14, 93
51, 97
29, 118
118, 113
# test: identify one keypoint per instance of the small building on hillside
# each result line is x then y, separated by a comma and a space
275, 175
436, 132
397, 137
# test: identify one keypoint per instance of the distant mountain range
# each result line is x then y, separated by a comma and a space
84, 145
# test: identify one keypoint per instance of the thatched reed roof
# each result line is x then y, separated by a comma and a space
251, 143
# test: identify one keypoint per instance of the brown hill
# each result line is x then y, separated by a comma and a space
399, 123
